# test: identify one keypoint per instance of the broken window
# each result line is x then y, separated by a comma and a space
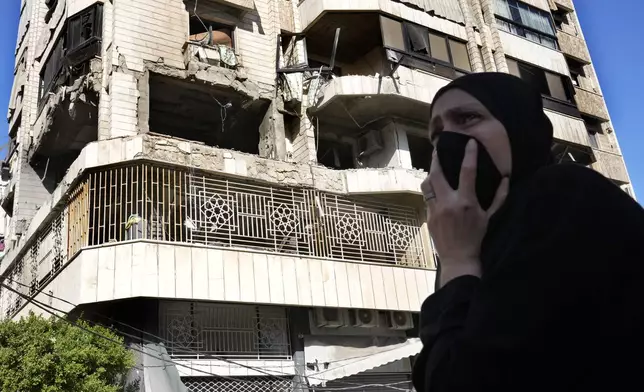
211, 33
336, 154
417, 46
566, 152
420, 151
79, 42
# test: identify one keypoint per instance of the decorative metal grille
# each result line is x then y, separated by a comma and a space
239, 384
150, 202
36, 266
196, 329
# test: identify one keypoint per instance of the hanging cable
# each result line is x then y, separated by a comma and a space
206, 356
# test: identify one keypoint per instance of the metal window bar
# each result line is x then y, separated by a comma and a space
239, 384
166, 204
196, 329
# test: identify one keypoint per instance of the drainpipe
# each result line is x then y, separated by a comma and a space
490, 20
472, 46
486, 47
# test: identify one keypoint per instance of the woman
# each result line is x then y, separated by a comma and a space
541, 278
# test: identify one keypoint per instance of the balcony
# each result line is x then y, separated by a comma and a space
185, 220
569, 129
370, 97
591, 104
573, 46
612, 166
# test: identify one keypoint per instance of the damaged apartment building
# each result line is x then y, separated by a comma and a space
237, 182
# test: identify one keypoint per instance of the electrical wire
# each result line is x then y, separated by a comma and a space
206, 356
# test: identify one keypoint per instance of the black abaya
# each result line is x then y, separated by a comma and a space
560, 304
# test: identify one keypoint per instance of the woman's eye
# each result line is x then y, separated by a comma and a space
467, 117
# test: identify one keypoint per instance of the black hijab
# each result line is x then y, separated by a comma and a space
519, 108
558, 305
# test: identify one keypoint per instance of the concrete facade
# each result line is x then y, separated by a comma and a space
204, 153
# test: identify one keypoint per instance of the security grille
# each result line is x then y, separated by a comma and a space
165, 204
199, 329
364, 382
245, 384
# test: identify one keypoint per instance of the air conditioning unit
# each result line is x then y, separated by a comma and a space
369, 143
330, 317
400, 320
365, 318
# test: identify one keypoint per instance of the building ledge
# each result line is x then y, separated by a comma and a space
573, 46
611, 165
591, 103
179, 271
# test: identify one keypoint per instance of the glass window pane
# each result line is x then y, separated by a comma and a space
513, 67
392, 35
418, 40
555, 84
438, 46
459, 55
535, 76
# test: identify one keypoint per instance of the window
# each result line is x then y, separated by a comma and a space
211, 33
418, 47
558, 90
335, 154
460, 56
576, 71
84, 28
420, 151
392, 33
521, 19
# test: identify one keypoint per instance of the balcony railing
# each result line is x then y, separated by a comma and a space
165, 204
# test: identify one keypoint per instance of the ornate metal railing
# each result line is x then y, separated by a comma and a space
167, 204
204, 329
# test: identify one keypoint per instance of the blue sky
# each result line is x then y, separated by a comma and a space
613, 35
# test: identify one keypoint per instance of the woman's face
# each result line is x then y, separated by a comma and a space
459, 112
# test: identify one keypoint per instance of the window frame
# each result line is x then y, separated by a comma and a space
550, 102
529, 28
426, 62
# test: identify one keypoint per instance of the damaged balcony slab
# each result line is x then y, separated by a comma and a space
233, 79
196, 156
348, 100
69, 118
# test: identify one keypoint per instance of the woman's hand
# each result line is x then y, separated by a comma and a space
456, 221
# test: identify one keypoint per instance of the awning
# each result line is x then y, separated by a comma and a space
160, 374
333, 357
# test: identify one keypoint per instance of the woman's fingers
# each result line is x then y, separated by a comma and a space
499, 198
437, 180
467, 177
